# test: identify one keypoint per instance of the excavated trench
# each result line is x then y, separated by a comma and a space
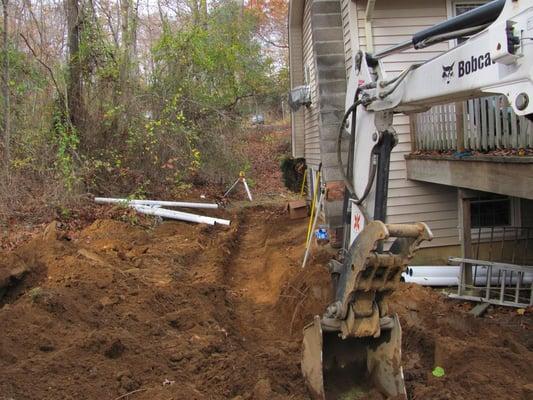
181, 311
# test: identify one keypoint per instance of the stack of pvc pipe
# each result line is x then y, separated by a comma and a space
433, 276
153, 207
447, 275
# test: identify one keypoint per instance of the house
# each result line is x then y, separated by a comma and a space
466, 169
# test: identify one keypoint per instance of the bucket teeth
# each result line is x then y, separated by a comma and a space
356, 346
312, 359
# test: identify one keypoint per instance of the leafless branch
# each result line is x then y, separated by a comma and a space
52, 76
29, 7
272, 43
110, 24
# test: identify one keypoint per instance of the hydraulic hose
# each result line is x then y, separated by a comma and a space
347, 181
350, 110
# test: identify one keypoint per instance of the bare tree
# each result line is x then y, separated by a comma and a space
107, 10
203, 12
128, 65
5, 88
74, 84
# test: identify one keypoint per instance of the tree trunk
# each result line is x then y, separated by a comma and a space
128, 63
5, 91
194, 5
129, 18
203, 13
134, 28
74, 84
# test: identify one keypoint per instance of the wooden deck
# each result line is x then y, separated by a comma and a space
511, 176
482, 124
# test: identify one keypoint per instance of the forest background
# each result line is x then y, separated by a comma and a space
132, 97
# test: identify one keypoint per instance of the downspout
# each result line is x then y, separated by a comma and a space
369, 13
296, 70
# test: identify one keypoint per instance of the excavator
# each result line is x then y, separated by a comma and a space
353, 351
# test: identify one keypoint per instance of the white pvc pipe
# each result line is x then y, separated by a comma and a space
436, 271
481, 280
439, 275
179, 215
431, 281
154, 203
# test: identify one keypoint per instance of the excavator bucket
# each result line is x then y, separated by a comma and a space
353, 368
312, 359
354, 350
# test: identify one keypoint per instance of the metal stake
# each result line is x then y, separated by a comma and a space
310, 239
241, 179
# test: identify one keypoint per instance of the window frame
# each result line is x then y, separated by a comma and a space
451, 11
487, 200
484, 234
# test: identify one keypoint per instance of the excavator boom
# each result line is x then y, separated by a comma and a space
354, 348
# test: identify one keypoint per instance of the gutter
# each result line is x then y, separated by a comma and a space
369, 14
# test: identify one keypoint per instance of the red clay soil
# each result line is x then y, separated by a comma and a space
483, 358
180, 311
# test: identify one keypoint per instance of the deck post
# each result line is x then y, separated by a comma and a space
459, 127
412, 130
465, 231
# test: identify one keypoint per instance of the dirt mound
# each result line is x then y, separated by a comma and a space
182, 311
113, 311
483, 358
169, 312
488, 357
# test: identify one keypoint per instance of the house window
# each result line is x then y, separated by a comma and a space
491, 211
462, 7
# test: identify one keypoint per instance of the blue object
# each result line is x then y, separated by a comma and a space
462, 154
321, 234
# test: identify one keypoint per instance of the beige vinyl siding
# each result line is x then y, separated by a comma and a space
346, 31
350, 31
410, 201
296, 73
297, 79
311, 113
298, 138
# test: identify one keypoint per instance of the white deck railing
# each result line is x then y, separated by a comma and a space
482, 124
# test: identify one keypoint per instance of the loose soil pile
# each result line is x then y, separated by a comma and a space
180, 311
482, 358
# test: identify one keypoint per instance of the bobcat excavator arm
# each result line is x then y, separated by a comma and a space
355, 347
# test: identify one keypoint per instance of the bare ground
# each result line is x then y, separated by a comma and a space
179, 311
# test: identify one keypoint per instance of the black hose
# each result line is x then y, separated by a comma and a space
353, 109
345, 178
